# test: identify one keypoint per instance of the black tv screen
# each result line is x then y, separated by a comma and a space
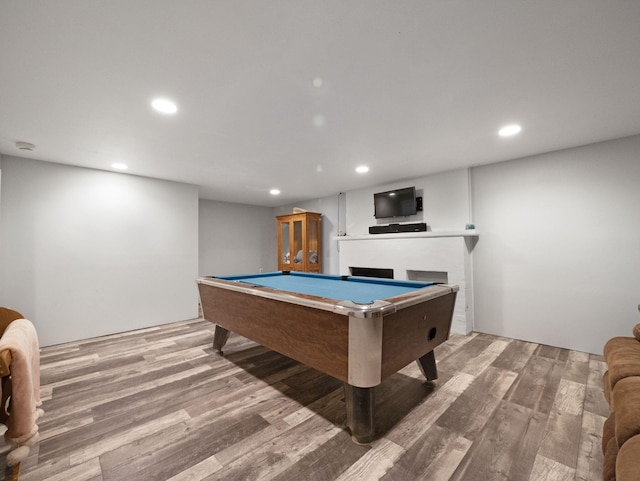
395, 203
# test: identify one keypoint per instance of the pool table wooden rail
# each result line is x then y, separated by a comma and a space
342, 307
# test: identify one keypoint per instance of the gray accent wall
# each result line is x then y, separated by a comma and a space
236, 239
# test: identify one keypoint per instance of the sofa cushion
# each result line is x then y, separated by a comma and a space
609, 462
607, 389
622, 355
626, 398
628, 461
636, 330
608, 431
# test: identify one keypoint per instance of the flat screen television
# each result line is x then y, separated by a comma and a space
395, 203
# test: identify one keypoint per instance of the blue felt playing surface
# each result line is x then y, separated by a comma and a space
362, 290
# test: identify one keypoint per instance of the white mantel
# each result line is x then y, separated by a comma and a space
439, 251
410, 235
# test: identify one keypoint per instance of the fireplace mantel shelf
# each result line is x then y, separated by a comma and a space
410, 235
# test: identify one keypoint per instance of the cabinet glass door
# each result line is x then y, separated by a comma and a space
296, 250
285, 253
312, 243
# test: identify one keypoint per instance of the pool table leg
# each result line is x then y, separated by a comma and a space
359, 402
220, 337
427, 364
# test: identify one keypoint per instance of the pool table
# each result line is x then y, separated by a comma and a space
359, 330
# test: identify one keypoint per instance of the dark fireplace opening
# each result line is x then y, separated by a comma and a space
372, 272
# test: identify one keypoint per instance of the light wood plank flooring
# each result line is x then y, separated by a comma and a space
159, 404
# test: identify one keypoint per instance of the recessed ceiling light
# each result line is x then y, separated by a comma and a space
25, 145
318, 120
362, 169
119, 166
509, 130
318, 82
165, 106
274, 191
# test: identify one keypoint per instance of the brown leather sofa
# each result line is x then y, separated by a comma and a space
621, 432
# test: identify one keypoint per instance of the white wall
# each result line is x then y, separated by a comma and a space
236, 239
332, 210
85, 253
558, 258
445, 198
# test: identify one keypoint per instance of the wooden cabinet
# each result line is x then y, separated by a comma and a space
299, 242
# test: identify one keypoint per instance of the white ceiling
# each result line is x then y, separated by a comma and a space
409, 88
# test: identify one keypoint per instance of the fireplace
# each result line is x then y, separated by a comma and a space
427, 257
382, 272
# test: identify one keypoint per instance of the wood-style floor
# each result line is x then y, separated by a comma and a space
159, 404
